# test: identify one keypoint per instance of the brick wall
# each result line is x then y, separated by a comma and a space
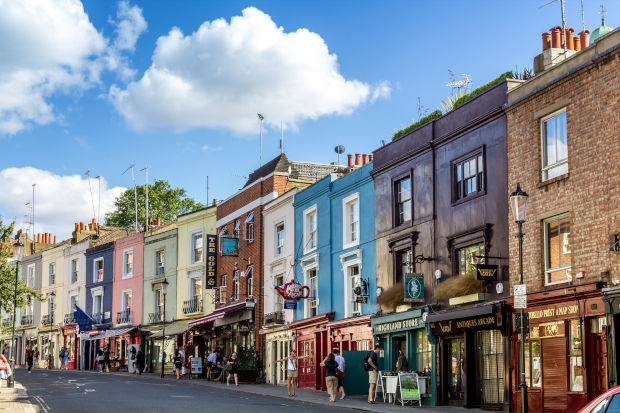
591, 190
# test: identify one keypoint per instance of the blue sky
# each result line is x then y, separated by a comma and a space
388, 54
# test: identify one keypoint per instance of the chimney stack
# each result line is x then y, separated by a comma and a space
364, 159
54, 239
350, 156
546, 38
358, 159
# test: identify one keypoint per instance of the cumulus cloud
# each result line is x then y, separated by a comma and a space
50, 47
224, 73
59, 200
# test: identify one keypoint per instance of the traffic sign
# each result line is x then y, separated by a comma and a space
520, 301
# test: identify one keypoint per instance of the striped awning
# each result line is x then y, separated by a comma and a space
111, 333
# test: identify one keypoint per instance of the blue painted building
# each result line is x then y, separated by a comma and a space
335, 259
99, 277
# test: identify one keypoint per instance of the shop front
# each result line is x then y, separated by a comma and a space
278, 344
565, 353
160, 345
472, 347
49, 340
70, 342
312, 343
406, 332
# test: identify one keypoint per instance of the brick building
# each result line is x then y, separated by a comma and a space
563, 128
238, 314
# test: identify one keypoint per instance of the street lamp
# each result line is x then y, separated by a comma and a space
164, 290
18, 252
50, 344
518, 204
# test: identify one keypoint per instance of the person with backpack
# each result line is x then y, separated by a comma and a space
341, 368
62, 356
370, 365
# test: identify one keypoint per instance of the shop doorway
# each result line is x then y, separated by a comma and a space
456, 371
305, 367
598, 356
400, 344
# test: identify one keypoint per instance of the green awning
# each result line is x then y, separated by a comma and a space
172, 329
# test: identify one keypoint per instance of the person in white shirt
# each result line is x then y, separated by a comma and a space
211, 362
341, 367
291, 371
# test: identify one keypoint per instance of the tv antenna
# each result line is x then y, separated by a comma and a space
87, 173
563, 20
146, 219
261, 118
135, 193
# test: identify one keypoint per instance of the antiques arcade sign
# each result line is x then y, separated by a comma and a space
397, 325
489, 321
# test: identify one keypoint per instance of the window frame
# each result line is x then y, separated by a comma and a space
161, 252
236, 281
192, 276
248, 224
279, 249
396, 222
347, 239
31, 275
459, 247
278, 299
398, 264
192, 245
348, 292
312, 213
543, 146
311, 304
547, 270
127, 274
481, 182
51, 274
95, 277
75, 270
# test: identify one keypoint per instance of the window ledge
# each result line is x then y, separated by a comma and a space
548, 182
473, 195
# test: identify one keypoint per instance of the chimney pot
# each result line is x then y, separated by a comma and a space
214, 201
358, 159
371, 158
157, 221
365, 159
546, 38
82, 226
584, 37
77, 227
577, 43
54, 239
47, 238
350, 156
38, 238
569, 39
556, 37
94, 221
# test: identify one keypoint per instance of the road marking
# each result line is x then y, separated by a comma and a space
184, 397
44, 406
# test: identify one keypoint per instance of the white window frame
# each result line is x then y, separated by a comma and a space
236, 276
250, 285
276, 247
278, 299
349, 260
546, 223
248, 225
125, 261
51, 305
31, 274
223, 232
237, 229
124, 301
546, 168
308, 247
347, 241
95, 261
309, 303
192, 246
193, 275
51, 270
75, 270
163, 268
97, 292
77, 300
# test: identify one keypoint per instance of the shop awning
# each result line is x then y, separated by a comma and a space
172, 329
216, 315
111, 333
464, 313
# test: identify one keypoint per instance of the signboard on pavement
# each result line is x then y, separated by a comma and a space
195, 365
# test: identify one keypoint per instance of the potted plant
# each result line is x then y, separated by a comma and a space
246, 356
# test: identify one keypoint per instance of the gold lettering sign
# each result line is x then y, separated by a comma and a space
487, 273
397, 325
549, 330
554, 312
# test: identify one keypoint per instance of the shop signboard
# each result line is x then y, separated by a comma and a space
482, 322
486, 272
195, 364
211, 279
290, 305
414, 287
230, 247
398, 325
409, 386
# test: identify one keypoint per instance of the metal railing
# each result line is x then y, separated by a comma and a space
70, 318
192, 306
48, 320
26, 320
274, 318
156, 317
123, 317
99, 318
7, 321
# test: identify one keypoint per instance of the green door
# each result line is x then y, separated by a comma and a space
355, 378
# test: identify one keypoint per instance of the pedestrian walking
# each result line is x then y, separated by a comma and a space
211, 362
140, 362
291, 371
233, 369
100, 361
132, 360
5, 352
36, 357
402, 364
61, 358
178, 363
5, 368
65, 359
106, 358
29, 358
341, 368
331, 376
370, 364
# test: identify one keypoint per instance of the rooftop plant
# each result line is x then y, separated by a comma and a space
415, 125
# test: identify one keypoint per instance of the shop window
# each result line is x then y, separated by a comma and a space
402, 200
557, 250
597, 325
491, 366
468, 258
533, 366
404, 264
554, 146
575, 358
424, 354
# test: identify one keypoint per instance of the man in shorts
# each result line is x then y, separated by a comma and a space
373, 374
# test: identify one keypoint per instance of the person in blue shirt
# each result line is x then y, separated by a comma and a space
373, 374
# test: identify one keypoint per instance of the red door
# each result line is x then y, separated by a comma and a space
598, 362
305, 367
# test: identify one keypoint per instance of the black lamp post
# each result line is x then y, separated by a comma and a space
518, 204
50, 344
18, 252
164, 290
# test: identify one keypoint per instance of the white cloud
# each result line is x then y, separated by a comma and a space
224, 73
59, 200
49, 47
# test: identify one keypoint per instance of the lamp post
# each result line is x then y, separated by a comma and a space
18, 252
164, 290
50, 344
518, 204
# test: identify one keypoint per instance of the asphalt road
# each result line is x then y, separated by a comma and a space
57, 391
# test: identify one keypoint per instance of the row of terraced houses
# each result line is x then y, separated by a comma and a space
427, 208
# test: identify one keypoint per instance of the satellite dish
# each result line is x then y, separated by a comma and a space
339, 149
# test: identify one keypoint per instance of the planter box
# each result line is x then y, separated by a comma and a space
247, 376
464, 299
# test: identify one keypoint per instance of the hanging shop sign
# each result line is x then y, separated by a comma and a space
487, 272
290, 305
292, 290
484, 322
230, 247
211, 261
414, 287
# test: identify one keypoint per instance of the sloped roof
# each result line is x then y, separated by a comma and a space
278, 164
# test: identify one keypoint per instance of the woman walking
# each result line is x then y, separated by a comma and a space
100, 361
29, 358
140, 362
178, 363
233, 369
331, 376
5, 368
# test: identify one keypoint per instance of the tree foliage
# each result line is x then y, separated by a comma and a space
165, 202
25, 295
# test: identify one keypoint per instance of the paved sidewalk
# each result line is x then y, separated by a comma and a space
305, 395
15, 400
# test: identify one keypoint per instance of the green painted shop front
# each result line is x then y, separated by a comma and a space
406, 331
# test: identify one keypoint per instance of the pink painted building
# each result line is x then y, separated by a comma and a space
127, 294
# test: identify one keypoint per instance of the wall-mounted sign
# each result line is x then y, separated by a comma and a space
290, 305
484, 322
293, 291
230, 246
487, 272
552, 329
414, 287
398, 325
211, 278
554, 312
361, 299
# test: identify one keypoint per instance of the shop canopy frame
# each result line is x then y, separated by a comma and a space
111, 333
217, 315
